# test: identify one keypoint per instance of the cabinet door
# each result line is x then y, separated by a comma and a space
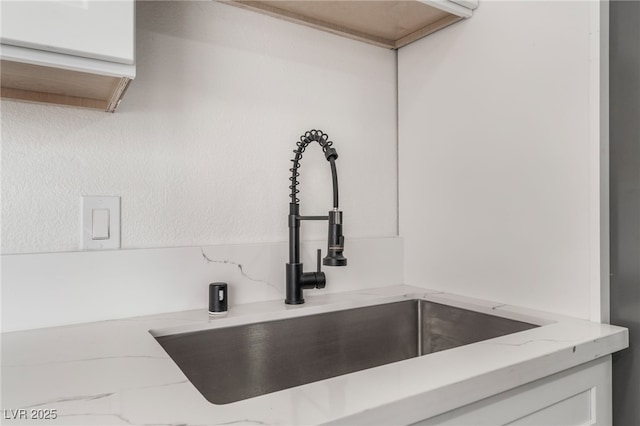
578, 396
98, 29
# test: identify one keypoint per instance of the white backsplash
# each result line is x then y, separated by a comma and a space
51, 289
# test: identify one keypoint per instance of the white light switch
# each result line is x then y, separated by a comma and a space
100, 223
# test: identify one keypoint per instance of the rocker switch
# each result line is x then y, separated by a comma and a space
100, 224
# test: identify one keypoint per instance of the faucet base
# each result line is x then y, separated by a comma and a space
294, 289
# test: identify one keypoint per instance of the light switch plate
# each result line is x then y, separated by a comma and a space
94, 207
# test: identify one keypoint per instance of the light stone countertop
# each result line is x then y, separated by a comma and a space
114, 372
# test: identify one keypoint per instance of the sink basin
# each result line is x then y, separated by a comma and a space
235, 363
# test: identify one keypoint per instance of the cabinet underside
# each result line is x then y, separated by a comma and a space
389, 24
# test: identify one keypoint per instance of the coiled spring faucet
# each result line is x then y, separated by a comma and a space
297, 279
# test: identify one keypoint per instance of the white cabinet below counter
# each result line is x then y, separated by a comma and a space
574, 397
74, 53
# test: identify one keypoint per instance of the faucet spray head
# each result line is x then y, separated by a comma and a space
335, 242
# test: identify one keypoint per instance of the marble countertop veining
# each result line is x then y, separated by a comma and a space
114, 372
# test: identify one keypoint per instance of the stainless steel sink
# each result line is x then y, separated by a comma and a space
235, 363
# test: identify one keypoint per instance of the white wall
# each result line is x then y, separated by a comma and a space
499, 156
199, 149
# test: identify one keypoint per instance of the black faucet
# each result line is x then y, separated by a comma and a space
297, 279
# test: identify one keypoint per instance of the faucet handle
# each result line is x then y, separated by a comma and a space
320, 278
313, 279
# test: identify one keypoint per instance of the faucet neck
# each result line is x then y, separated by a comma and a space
294, 233
330, 154
296, 278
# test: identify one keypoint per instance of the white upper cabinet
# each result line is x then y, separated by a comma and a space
88, 28
69, 52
